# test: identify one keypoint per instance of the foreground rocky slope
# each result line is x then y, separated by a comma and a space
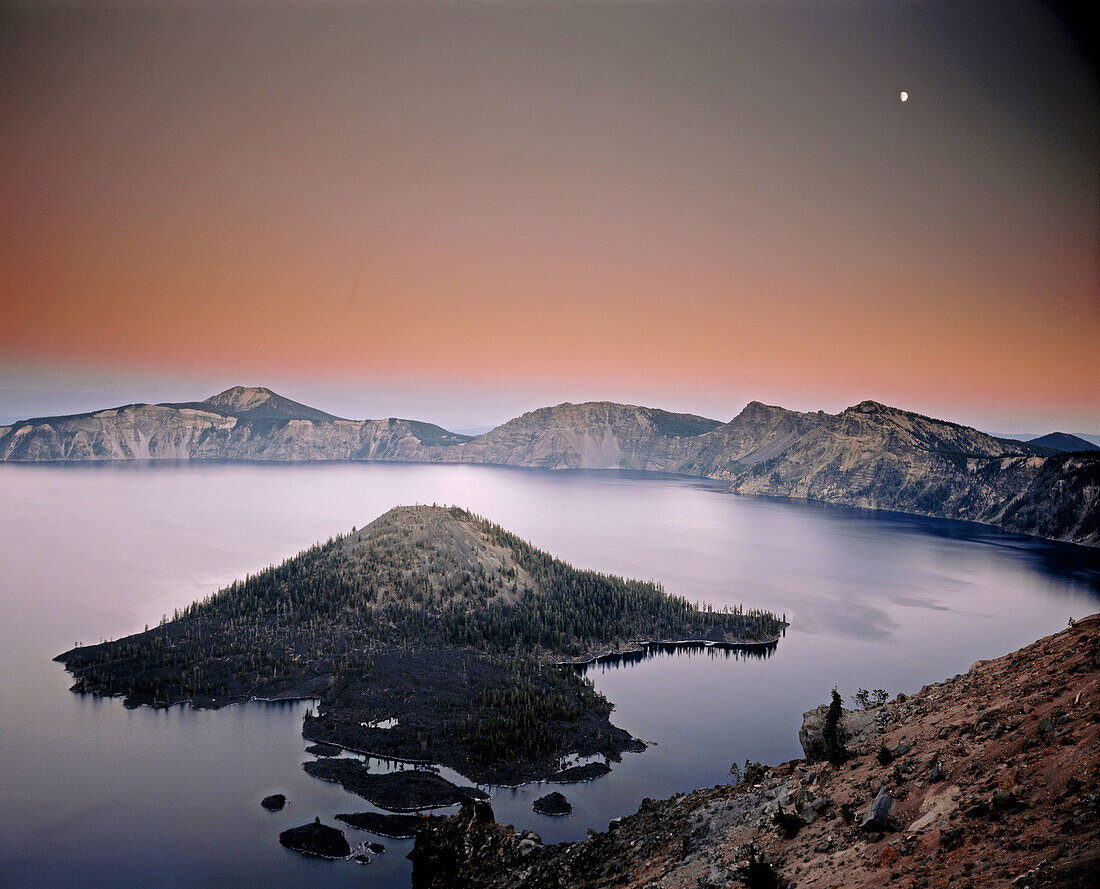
870, 455
991, 778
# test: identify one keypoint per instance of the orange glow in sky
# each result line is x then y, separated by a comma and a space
687, 205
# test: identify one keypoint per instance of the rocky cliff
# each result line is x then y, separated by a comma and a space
991, 778
878, 457
870, 455
595, 435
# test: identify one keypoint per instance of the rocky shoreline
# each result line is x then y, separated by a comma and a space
990, 778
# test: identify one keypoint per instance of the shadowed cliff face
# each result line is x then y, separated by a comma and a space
870, 455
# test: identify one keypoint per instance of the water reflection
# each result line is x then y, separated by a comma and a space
649, 650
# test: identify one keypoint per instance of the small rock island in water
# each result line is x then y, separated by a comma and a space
274, 803
430, 635
552, 804
316, 839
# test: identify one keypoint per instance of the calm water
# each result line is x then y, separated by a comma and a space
94, 795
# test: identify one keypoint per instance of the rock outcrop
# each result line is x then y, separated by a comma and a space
995, 781
856, 728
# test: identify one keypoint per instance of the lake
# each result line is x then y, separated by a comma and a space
95, 795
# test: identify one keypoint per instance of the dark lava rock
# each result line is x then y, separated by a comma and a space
1004, 802
273, 803
376, 848
403, 791
396, 827
977, 808
937, 773
320, 749
877, 816
316, 839
580, 773
552, 804
950, 837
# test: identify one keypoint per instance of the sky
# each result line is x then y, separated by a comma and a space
461, 211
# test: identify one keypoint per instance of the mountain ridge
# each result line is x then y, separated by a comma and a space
869, 455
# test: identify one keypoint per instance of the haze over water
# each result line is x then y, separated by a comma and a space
95, 795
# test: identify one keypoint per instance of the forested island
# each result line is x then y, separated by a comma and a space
429, 635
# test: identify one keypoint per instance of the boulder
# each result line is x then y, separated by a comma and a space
877, 816
273, 803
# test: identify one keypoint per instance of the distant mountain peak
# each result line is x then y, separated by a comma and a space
241, 397
1064, 441
871, 407
758, 407
259, 402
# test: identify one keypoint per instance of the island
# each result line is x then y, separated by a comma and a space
406, 790
552, 804
274, 803
431, 635
397, 827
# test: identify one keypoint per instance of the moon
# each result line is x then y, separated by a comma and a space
904, 96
